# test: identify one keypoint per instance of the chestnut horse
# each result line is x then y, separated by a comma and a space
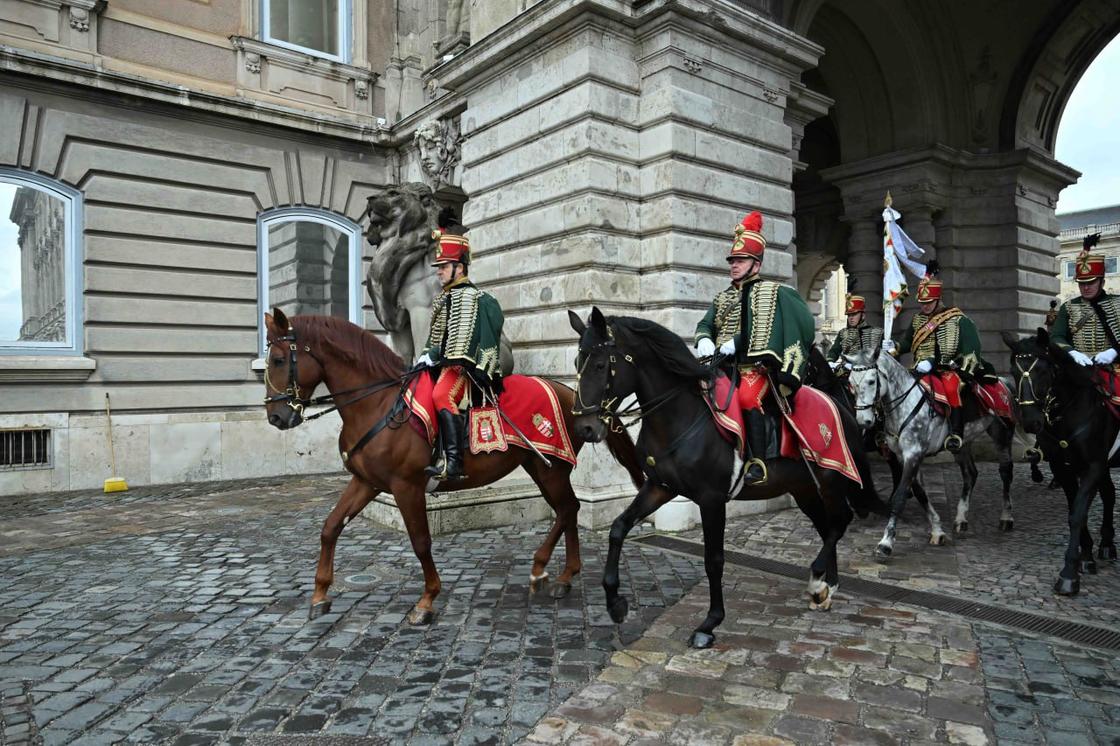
367, 381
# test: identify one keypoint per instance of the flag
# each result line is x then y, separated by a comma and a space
899, 251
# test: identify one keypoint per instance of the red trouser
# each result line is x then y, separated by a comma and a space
753, 385
450, 385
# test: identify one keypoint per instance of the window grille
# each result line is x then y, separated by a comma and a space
25, 449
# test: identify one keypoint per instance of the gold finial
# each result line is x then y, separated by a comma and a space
888, 200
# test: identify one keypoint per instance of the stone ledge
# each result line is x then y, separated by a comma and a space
45, 368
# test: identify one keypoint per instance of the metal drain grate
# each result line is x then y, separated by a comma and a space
1084, 634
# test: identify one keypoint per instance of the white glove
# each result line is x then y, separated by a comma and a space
425, 360
924, 367
1104, 358
1080, 358
835, 364
728, 347
706, 347
888, 345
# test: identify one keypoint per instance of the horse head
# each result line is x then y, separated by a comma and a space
601, 382
291, 371
1034, 371
864, 382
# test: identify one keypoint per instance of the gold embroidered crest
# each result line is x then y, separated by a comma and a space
826, 434
543, 425
486, 431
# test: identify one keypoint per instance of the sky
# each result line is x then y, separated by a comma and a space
1089, 135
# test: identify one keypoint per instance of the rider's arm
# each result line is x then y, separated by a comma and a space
902, 346
1059, 333
837, 346
707, 326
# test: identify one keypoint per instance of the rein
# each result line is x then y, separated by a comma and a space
890, 406
605, 408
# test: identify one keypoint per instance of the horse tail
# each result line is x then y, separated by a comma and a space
625, 452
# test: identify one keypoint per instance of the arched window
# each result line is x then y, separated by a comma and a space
310, 263
40, 261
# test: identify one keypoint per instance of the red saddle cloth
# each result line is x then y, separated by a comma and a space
529, 401
995, 398
945, 388
814, 428
1108, 383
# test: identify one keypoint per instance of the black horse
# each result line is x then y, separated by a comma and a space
1060, 404
684, 454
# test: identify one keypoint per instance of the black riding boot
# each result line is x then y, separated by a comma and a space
756, 447
452, 429
955, 441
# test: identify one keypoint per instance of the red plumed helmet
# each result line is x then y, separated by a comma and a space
748, 238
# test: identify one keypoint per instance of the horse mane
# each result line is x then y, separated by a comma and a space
669, 348
353, 344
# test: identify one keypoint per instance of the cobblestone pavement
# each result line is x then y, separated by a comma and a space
180, 616
1014, 569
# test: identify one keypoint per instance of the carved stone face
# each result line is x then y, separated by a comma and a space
433, 153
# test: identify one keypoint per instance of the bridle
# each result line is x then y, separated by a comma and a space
1025, 382
885, 408
292, 395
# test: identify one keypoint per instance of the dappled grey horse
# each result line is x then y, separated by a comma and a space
883, 387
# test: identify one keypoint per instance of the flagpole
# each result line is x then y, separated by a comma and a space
888, 301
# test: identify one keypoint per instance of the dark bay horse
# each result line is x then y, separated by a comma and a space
685, 455
1060, 404
367, 381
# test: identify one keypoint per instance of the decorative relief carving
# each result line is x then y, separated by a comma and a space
981, 81
1022, 190
692, 64
439, 141
361, 89
79, 18
252, 62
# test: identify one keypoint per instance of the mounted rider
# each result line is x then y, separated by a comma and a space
946, 348
462, 341
767, 329
1088, 327
858, 336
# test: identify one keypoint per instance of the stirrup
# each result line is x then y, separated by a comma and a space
765, 474
954, 443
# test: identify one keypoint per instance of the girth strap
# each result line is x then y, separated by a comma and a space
378, 426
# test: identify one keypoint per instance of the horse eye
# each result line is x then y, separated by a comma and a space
277, 360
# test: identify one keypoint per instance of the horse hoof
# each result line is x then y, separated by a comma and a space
961, 527
1036, 476
938, 540
1066, 587
317, 610
1106, 552
701, 640
1006, 525
419, 617
883, 551
560, 590
1087, 567
618, 610
537, 582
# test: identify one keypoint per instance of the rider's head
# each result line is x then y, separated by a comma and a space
745, 259
855, 306
929, 289
1090, 273
453, 256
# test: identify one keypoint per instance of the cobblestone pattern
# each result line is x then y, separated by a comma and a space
1015, 569
184, 621
17, 725
781, 674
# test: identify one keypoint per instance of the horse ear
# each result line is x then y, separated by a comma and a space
281, 321
598, 321
1009, 339
577, 323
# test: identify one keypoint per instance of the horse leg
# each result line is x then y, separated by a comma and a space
824, 572
936, 535
650, 497
353, 499
1107, 548
1006, 474
556, 487
967, 464
412, 504
713, 518
1068, 583
898, 502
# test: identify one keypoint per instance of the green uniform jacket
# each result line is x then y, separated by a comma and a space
776, 327
1077, 326
466, 328
954, 342
855, 339
721, 322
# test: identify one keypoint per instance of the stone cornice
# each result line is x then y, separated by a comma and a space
496, 51
301, 60
75, 72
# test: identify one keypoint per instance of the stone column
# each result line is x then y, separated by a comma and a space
865, 263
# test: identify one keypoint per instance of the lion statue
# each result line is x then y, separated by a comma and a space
400, 283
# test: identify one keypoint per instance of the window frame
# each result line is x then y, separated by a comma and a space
73, 262
345, 31
265, 220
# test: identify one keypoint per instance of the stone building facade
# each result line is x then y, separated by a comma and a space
601, 151
1077, 225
